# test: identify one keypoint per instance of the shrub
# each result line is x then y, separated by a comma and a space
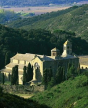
1, 89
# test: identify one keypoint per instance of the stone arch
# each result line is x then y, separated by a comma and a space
37, 72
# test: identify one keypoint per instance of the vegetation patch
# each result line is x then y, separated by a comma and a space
70, 95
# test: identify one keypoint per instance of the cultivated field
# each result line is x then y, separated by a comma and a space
36, 10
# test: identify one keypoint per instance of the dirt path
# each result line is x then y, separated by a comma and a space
26, 96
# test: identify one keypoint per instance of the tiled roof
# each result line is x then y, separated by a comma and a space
83, 60
26, 57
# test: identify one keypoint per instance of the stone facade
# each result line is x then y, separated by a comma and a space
40, 62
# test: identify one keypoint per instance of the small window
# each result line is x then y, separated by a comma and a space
53, 54
68, 47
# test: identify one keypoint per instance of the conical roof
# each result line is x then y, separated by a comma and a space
66, 42
55, 49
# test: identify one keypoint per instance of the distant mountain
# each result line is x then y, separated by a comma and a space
74, 19
35, 2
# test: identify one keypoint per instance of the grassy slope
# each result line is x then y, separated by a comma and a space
75, 20
69, 94
13, 101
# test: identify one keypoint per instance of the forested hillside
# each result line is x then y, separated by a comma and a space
74, 19
7, 16
35, 2
37, 41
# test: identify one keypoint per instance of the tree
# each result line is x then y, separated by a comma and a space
24, 75
3, 78
78, 70
7, 57
9, 76
71, 72
51, 83
49, 74
44, 80
64, 77
29, 72
59, 75
14, 76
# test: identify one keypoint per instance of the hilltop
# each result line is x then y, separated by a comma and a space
72, 93
74, 19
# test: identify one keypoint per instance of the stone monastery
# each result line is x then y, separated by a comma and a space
40, 62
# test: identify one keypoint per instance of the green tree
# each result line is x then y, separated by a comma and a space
44, 80
9, 76
49, 74
3, 78
1, 90
64, 77
78, 70
14, 76
7, 57
58, 77
51, 83
24, 75
29, 72
71, 72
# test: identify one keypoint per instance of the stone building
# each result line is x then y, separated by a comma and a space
40, 62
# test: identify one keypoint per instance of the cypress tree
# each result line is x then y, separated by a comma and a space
78, 70
51, 83
3, 78
44, 80
49, 74
12, 76
7, 57
16, 75
9, 76
24, 75
29, 72
71, 72
63, 75
59, 75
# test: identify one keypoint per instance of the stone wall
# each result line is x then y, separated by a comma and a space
22, 89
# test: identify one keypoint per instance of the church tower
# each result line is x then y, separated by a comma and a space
67, 48
55, 52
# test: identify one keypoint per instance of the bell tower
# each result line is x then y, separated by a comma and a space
67, 48
55, 52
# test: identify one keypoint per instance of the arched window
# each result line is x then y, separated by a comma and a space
36, 65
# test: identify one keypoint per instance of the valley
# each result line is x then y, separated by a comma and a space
37, 10
42, 62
